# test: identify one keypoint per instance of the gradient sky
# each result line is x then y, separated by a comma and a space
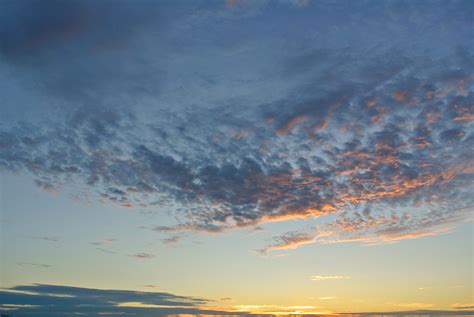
235, 157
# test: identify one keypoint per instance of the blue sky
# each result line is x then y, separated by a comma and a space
237, 151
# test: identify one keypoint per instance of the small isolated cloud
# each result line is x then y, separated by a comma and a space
48, 238
101, 245
256, 230
171, 241
36, 265
287, 241
142, 256
104, 241
105, 250
329, 277
327, 298
300, 3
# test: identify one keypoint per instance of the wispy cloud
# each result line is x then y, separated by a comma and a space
105, 250
150, 286
171, 241
34, 265
48, 238
104, 242
142, 256
463, 306
329, 277
290, 240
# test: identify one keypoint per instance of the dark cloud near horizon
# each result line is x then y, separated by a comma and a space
366, 127
54, 300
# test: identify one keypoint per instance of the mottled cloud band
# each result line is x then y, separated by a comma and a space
374, 137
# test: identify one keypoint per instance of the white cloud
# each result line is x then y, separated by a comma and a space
329, 277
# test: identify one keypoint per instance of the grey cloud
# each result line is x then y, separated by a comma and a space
105, 251
452, 135
289, 240
55, 300
34, 265
142, 256
104, 241
171, 241
48, 238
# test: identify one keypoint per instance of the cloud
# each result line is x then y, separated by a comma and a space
105, 251
290, 240
462, 306
414, 305
53, 300
48, 238
329, 277
171, 241
142, 256
104, 242
370, 135
34, 265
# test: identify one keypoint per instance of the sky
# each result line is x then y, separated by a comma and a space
236, 157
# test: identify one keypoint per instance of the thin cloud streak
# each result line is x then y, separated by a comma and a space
142, 256
329, 277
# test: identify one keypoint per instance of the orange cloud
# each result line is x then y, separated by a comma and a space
464, 117
292, 123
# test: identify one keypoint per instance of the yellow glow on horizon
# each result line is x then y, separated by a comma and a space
282, 310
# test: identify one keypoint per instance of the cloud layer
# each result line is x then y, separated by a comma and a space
371, 133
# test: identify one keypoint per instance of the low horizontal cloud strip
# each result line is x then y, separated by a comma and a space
53, 300
329, 277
